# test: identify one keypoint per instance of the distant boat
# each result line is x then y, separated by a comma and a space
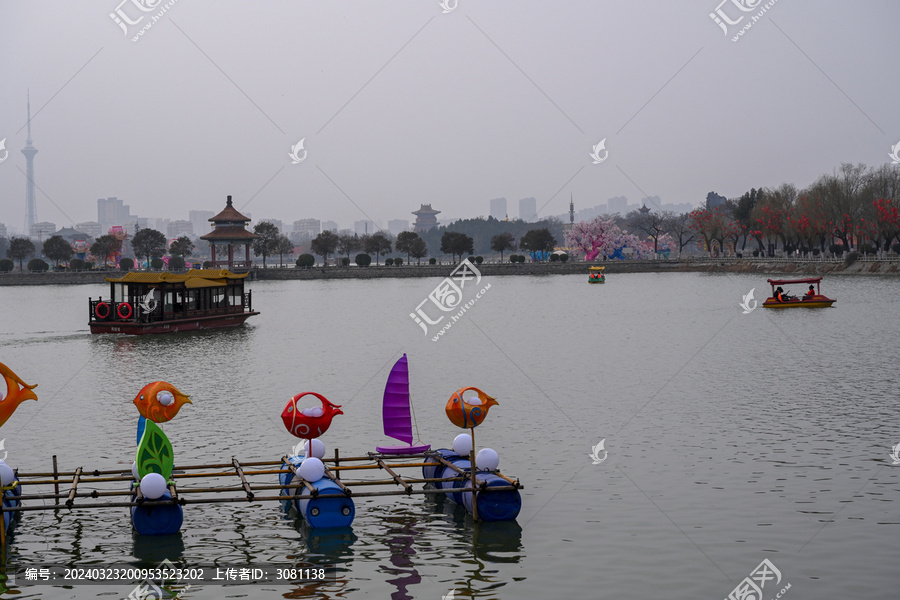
596, 275
809, 300
396, 412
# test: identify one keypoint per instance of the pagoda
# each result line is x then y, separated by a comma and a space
426, 218
229, 231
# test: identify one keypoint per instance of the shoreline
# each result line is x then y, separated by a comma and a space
692, 265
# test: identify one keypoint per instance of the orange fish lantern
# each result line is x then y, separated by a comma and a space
309, 423
160, 401
17, 392
468, 414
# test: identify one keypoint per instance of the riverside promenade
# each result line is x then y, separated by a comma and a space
817, 266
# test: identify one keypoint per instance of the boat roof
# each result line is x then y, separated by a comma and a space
785, 281
597, 268
195, 278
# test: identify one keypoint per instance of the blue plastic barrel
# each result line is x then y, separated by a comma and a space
157, 520
321, 512
9, 518
492, 506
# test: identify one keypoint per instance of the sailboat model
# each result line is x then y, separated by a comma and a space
396, 412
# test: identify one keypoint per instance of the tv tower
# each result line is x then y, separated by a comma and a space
571, 210
29, 151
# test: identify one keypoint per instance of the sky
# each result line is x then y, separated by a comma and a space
402, 103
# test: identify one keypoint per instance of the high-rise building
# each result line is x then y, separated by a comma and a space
112, 211
91, 228
527, 209
307, 227
426, 218
618, 204
498, 208
176, 229
29, 151
200, 220
41, 231
398, 226
3, 230
329, 226
714, 200
363, 227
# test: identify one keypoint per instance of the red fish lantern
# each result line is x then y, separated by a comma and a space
310, 422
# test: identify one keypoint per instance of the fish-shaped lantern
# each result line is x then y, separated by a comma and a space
468, 414
160, 401
310, 422
17, 392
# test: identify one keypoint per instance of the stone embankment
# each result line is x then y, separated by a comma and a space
746, 265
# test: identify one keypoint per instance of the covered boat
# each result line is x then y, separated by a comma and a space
596, 275
810, 299
141, 302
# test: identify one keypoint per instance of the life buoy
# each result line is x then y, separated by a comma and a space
101, 311
124, 311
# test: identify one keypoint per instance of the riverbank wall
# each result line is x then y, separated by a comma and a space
704, 265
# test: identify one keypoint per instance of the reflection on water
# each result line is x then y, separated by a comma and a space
742, 436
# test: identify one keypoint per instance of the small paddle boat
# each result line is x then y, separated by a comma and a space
596, 275
811, 299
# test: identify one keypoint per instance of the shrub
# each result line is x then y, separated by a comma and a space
836, 248
563, 257
755, 253
306, 260
88, 265
432, 261
38, 265
554, 258
6, 265
388, 262
850, 258
207, 264
398, 261
815, 251
176, 263
345, 262
479, 260
363, 260
125, 264
471, 259
521, 258
867, 249
896, 248
76, 264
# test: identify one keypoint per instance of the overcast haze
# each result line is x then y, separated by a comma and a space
401, 104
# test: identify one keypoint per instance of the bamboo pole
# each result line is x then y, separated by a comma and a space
396, 477
55, 483
472, 472
240, 473
71, 499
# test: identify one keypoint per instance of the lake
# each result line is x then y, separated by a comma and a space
730, 438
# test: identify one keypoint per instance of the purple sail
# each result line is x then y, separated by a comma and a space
396, 415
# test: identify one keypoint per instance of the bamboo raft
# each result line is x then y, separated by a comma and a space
105, 486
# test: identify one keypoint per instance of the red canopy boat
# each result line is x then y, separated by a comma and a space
808, 300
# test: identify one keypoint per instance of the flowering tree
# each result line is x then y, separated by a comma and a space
591, 237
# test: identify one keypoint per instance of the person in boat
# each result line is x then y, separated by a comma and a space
782, 296
810, 294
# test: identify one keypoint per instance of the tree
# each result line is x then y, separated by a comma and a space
653, 224
183, 246
19, 249
538, 240
284, 246
148, 243
107, 245
456, 243
266, 241
324, 244
679, 227
377, 243
348, 244
418, 249
56, 248
502, 242
405, 240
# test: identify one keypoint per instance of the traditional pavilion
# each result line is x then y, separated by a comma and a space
229, 231
426, 218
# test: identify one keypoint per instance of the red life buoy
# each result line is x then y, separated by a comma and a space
124, 311
101, 311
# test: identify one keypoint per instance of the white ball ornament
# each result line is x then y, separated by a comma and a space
462, 444
318, 448
153, 486
134, 471
7, 476
312, 469
487, 459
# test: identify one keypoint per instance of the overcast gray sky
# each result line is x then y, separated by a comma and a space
401, 103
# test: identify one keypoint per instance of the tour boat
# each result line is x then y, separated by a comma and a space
596, 275
141, 302
816, 300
